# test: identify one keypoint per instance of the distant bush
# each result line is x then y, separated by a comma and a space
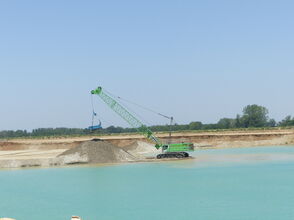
254, 117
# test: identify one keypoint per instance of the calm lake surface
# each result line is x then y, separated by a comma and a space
227, 184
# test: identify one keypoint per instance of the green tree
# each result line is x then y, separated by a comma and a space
288, 121
272, 123
238, 123
254, 116
195, 125
226, 123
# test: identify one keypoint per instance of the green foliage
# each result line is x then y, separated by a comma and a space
238, 123
42, 132
288, 121
254, 116
226, 123
196, 125
272, 123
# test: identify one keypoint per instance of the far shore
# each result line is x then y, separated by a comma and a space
17, 153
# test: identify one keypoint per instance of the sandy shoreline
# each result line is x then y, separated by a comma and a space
18, 153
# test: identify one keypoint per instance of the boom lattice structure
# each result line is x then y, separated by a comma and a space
174, 150
127, 116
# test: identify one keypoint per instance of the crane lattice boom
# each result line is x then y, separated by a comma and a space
127, 116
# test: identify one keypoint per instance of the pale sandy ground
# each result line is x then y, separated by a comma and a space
42, 152
29, 154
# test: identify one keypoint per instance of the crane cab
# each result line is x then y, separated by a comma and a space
177, 150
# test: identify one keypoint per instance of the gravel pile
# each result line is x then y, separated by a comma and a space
95, 151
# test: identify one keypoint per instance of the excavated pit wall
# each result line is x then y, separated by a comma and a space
89, 152
219, 139
276, 136
44, 152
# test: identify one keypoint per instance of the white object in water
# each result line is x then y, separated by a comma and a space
74, 218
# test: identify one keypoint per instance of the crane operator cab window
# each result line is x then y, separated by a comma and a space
164, 147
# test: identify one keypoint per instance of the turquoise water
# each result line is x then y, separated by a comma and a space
228, 184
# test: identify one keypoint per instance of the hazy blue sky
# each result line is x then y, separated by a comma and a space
195, 60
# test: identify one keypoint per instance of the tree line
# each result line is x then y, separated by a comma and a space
253, 116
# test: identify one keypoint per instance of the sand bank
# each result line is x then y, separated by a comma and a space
17, 153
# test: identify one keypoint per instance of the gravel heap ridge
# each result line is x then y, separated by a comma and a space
96, 151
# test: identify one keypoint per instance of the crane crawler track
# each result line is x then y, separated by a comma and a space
172, 155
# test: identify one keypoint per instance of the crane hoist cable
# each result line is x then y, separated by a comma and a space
140, 106
94, 114
125, 105
171, 118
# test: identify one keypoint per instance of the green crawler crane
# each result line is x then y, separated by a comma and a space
175, 150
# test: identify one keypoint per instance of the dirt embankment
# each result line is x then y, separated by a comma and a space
245, 139
94, 151
43, 152
216, 139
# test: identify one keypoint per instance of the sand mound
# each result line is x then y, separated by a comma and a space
95, 151
142, 149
